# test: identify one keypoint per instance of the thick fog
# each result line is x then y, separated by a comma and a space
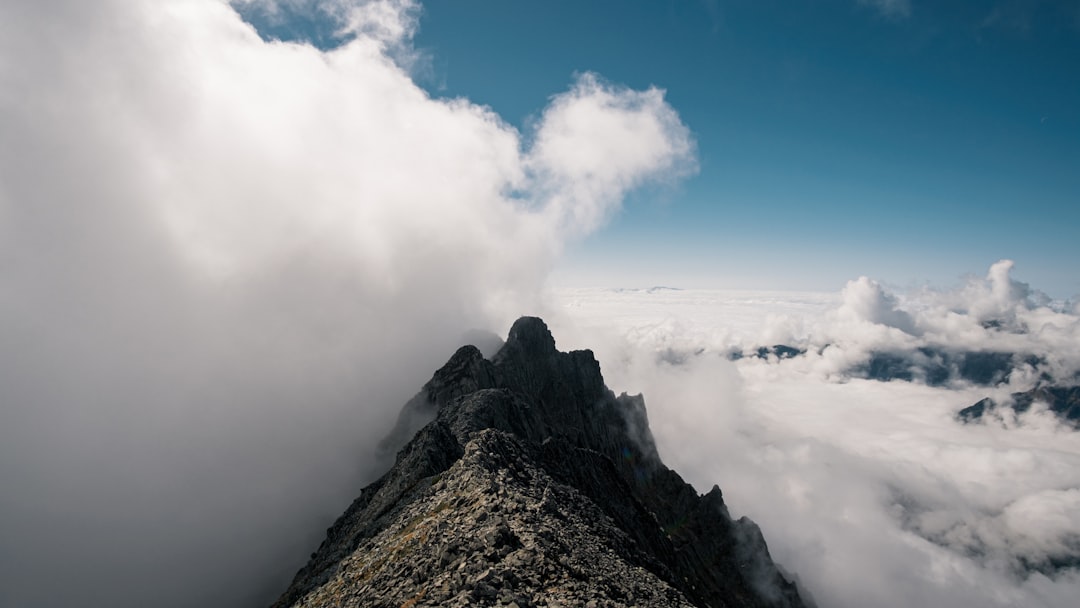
871, 491
226, 263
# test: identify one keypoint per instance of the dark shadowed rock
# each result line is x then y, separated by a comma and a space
780, 351
975, 412
466, 372
487, 342
934, 366
937, 366
532, 484
1064, 402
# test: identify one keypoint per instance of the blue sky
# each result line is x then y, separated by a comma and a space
909, 142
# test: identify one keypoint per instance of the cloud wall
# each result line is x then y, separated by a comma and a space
226, 263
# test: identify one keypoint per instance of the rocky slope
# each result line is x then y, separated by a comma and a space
1062, 401
532, 484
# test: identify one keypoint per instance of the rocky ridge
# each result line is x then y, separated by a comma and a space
534, 485
1062, 401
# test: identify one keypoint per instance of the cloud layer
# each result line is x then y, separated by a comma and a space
227, 261
871, 492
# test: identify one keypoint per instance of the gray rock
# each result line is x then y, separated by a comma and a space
532, 484
1062, 401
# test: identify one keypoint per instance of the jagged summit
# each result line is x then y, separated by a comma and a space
524, 480
531, 336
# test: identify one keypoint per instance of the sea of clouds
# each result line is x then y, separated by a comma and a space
871, 491
226, 261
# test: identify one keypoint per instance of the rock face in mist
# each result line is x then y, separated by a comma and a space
780, 351
937, 367
1064, 402
932, 366
534, 485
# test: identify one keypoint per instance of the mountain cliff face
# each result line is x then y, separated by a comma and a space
532, 484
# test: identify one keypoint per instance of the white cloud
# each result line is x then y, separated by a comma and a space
871, 492
599, 141
866, 301
226, 262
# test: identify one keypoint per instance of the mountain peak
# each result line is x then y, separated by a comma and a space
530, 482
531, 335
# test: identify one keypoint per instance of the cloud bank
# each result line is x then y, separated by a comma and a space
227, 261
871, 491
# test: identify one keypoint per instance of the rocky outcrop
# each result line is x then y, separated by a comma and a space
777, 351
532, 484
938, 367
1064, 402
930, 365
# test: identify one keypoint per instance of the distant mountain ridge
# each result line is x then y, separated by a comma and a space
1062, 401
534, 485
933, 366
